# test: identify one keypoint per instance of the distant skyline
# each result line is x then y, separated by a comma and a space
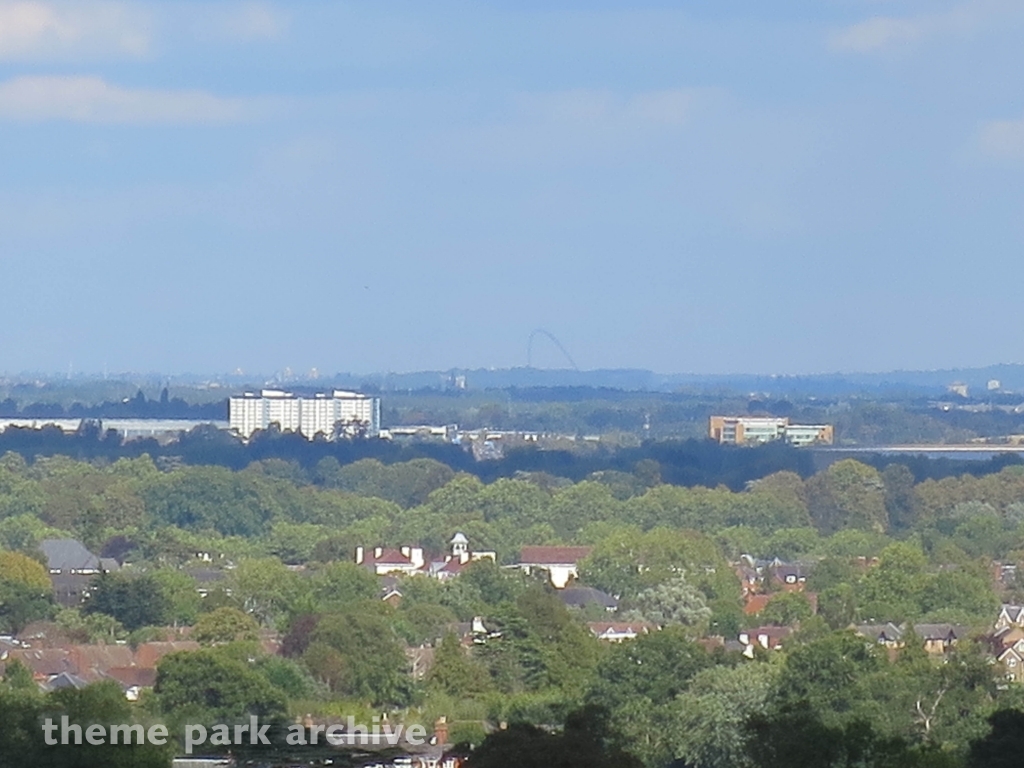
698, 187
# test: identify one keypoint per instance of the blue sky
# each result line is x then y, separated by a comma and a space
688, 187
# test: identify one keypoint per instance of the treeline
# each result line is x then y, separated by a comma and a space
677, 462
137, 407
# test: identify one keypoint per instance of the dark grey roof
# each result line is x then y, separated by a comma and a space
584, 596
68, 555
880, 632
65, 680
941, 631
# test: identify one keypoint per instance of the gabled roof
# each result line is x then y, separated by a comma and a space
44, 662
452, 568
553, 555
940, 631
584, 596
1013, 613
100, 658
599, 628
68, 555
880, 633
129, 677
1009, 653
65, 680
387, 557
148, 654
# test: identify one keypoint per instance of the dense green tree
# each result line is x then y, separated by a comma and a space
180, 591
892, 590
655, 667
373, 659
786, 609
708, 720
848, 495
901, 503
675, 601
17, 676
830, 674
455, 673
583, 743
135, 601
213, 687
1003, 746
225, 625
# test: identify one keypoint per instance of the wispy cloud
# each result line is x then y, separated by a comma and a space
33, 30
1002, 139
887, 33
93, 100
880, 32
254, 21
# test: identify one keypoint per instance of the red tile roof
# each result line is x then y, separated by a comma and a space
148, 654
387, 557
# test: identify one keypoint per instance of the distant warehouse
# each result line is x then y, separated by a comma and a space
753, 430
341, 414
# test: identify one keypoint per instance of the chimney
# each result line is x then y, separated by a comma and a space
378, 551
441, 730
415, 554
359, 555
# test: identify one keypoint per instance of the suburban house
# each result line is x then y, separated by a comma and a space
1007, 646
411, 561
79, 665
584, 597
936, 639
1010, 616
72, 568
768, 638
888, 634
407, 560
560, 563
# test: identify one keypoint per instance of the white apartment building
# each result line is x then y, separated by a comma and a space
340, 413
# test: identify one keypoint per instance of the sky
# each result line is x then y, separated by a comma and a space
708, 187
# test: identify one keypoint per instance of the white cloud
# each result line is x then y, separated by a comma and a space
252, 21
882, 33
93, 100
1003, 139
32, 30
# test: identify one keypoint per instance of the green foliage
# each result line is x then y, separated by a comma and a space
211, 686
17, 676
675, 601
22, 602
134, 601
786, 609
455, 673
357, 653
848, 495
16, 568
225, 625
654, 668
583, 743
709, 719
179, 589
1003, 746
